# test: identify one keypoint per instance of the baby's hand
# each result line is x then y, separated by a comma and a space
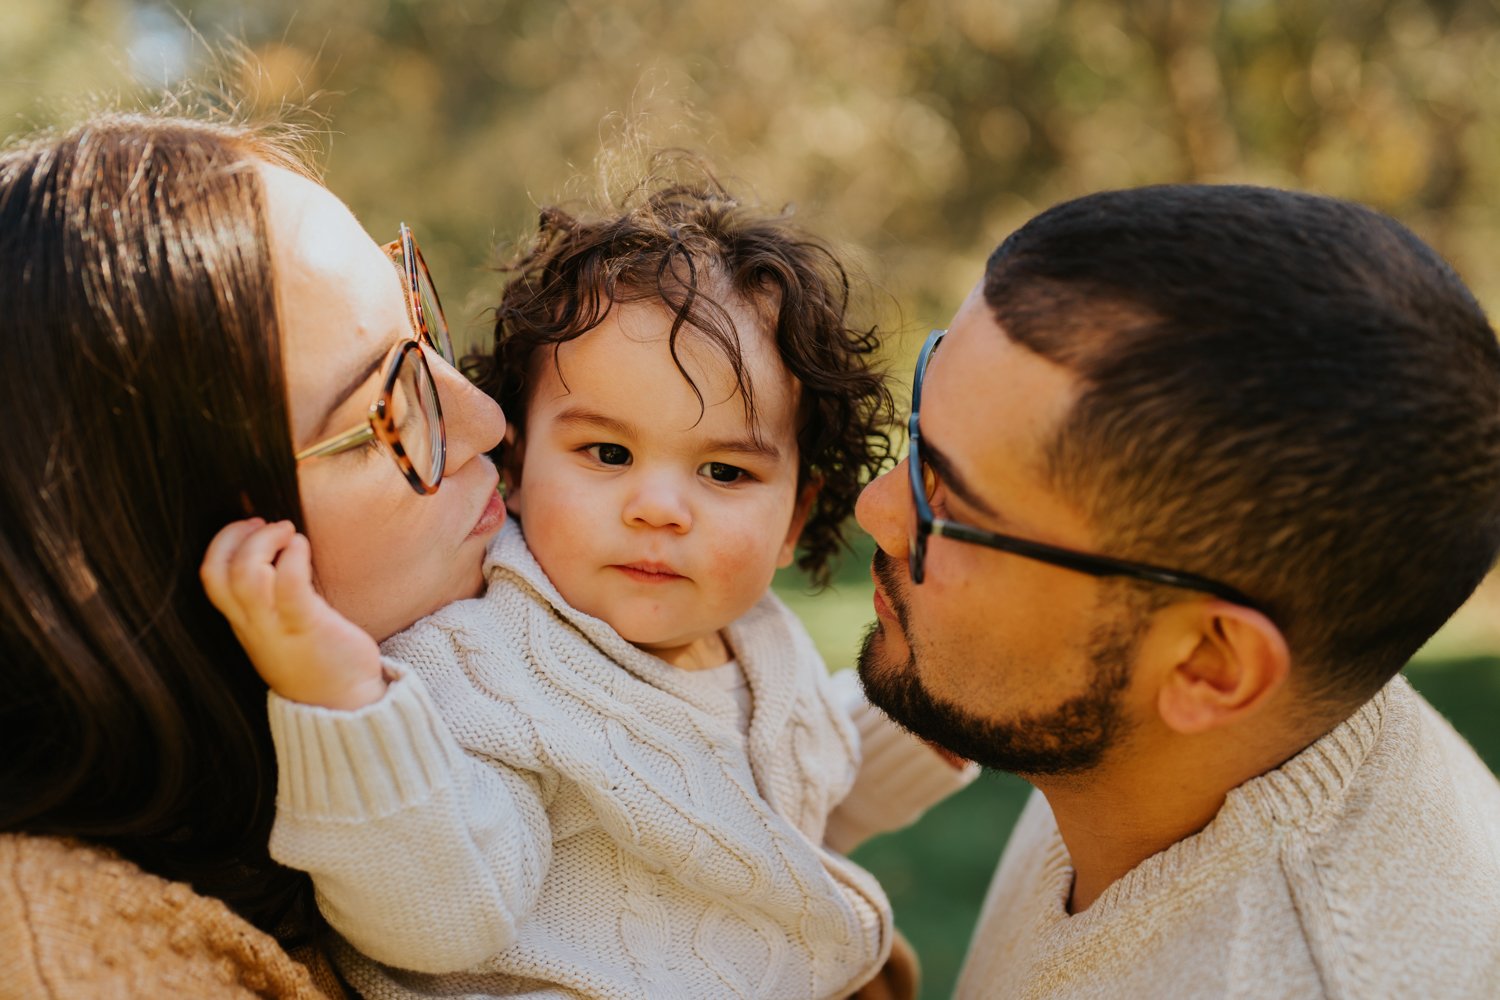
260, 576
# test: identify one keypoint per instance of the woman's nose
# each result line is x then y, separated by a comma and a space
884, 510
473, 422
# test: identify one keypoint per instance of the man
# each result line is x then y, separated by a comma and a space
1193, 473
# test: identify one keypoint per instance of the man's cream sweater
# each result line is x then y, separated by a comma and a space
539, 808
1366, 866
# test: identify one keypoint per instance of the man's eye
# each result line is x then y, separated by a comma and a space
609, 454
929, 483
721, 472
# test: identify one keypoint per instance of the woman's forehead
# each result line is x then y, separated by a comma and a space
312, 231
338, 295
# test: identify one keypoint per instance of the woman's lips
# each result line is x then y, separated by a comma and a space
649, 572
491, 518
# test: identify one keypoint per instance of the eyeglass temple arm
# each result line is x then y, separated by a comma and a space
352, 438
1093, 565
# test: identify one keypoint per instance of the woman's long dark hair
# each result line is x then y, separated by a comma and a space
143, 407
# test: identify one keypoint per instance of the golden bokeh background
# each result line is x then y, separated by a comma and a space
914, 133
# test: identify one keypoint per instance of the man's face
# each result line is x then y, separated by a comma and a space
1017, 664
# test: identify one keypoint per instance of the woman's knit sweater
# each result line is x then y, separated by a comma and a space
77, 921
595, 824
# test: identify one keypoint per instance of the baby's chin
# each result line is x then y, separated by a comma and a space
696, 652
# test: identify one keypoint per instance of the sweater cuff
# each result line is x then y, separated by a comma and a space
900, 777
361, 764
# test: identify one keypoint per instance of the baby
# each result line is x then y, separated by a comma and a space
624, 770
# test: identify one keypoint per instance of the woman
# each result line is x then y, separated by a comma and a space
189, 318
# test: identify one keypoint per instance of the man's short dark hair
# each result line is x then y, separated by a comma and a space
1286, 392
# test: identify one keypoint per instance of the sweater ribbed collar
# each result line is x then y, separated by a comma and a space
760, 640
509, 556
1306, 792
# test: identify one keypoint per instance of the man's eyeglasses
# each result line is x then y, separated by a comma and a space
406, 416
924, 483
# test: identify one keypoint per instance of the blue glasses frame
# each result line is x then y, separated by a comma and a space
927, 525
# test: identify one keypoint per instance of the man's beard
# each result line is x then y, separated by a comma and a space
1068, 739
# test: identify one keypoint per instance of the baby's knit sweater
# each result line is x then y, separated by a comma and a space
1367, 866
539, 808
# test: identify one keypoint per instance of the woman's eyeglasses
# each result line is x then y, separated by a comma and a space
924, 483
406, 417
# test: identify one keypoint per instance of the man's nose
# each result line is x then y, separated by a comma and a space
884, 510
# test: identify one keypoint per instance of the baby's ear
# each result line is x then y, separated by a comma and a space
805, 499
512, 450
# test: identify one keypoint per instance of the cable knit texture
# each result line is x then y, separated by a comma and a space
595, 825
77, 921
1367, 866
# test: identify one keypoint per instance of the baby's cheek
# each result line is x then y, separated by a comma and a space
557, 528
740, 562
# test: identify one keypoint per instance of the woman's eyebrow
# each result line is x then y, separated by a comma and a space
351, 385
949, 474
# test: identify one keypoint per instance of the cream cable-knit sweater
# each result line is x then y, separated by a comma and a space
598, 827
1367, 866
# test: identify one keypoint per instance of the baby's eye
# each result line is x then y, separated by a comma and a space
609, 454
721, 472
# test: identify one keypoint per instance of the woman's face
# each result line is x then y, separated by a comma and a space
383, 555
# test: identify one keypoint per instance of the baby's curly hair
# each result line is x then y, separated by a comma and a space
680, 243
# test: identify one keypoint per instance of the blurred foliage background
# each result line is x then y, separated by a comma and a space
912, 133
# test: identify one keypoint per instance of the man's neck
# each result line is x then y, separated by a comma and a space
1108, 832
1124, 812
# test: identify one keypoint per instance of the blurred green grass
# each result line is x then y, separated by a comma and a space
936, 871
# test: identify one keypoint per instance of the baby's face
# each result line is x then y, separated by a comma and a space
662, 516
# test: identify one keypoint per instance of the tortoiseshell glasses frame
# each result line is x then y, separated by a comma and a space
406, 365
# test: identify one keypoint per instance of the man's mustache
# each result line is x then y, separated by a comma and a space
888, 571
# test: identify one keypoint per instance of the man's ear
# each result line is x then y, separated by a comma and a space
1240, 660
805, 498
512, 450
